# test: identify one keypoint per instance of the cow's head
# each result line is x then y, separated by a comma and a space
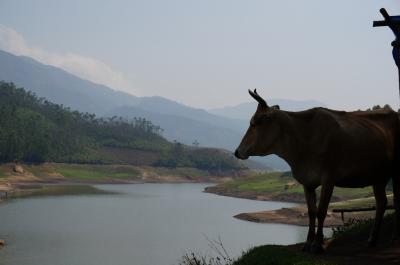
263, 131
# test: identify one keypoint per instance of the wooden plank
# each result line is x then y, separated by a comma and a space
384, 23
361, 209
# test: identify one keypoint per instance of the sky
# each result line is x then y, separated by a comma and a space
207, 53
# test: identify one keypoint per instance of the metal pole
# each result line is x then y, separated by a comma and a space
396, 57
398, 70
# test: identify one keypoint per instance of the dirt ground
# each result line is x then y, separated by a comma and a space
349, 249
353, 249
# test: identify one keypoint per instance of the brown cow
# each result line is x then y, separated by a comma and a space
330, 148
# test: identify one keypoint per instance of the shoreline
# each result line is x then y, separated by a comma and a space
17, 179
288, 216
297, 215
255, 196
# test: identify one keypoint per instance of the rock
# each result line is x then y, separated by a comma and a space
2, 243
290, 185
18, 169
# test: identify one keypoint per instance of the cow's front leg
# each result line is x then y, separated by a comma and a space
312, 213
381, 202
326, 194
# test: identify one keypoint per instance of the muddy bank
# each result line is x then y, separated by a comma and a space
297, 198
279, 196
17, 177
58, 179
290, 216
296, 215
299, 216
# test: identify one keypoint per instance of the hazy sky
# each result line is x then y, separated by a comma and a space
208, 53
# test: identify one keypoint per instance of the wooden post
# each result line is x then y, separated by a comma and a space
359, 209
393, 22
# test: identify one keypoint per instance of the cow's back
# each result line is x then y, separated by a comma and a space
361, 147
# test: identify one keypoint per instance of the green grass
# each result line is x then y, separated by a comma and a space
353, 227
4, 170
274, 183
94, 172
261, 255
77, 171
2, 173
106, 172
351, 235
261, 183
39, 170
180, 172
56, 190
277, 255
357, 203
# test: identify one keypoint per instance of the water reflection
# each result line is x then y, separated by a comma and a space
143, 224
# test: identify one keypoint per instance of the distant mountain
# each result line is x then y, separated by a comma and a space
186, 130
169, 107
36, 130
59, 86
63, 88
222, 128
182, 123
209, 130
244, 111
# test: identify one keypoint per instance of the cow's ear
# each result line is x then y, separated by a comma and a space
276, 107
262, 119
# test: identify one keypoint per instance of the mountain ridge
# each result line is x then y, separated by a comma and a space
245, 110
180, 122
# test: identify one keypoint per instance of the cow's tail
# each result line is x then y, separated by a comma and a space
396, 182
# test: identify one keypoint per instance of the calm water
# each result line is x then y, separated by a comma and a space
146, 224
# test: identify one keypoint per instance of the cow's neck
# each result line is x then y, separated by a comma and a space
293, 140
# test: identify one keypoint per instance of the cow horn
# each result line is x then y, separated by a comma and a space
257, 97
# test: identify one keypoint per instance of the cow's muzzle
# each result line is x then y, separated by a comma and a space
239, 155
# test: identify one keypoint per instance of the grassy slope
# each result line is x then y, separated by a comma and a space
273, 184
83, 171
99, 173
36, 178
96, 171
277, 255
347, 247
56, 190
113, 155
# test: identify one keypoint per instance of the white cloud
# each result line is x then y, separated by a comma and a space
85, 67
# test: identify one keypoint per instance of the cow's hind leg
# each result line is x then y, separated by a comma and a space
396, 203
326, 194
312, 214
381, 202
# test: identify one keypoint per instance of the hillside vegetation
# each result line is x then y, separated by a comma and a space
36, 130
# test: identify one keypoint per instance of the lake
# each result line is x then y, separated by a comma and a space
144, 224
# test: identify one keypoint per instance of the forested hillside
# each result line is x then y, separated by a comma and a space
33, 129
180, 122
